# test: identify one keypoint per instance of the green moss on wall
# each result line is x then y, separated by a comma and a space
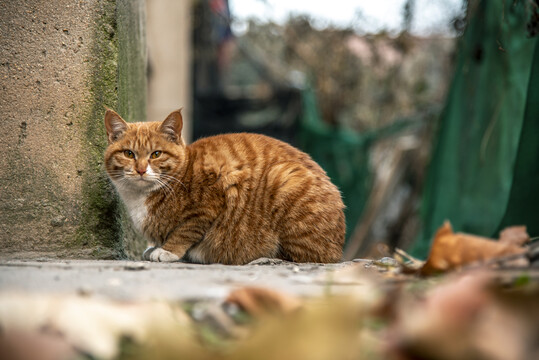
131, 92
100, 228
119, 82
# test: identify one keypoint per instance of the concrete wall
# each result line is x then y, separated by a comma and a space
60, 62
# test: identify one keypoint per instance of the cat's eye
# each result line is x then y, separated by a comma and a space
155, 154
129, 154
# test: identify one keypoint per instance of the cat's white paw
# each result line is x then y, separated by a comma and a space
159, 255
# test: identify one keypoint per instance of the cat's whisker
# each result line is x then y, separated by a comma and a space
162, 181
166, 187
117, 174
120, 183
172, 178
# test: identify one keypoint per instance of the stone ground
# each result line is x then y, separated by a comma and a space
140, 281
130, 310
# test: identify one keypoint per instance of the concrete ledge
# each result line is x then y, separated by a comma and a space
130, 280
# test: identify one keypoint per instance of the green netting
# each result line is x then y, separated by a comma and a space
483, 172
344, 154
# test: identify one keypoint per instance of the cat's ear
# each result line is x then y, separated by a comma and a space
115, 125
172, 126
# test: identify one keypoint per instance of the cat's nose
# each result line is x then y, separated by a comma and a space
141, 171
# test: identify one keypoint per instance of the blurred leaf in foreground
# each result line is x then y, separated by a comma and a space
261, 301
92, 326
468, 317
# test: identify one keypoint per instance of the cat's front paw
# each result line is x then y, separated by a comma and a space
159, 255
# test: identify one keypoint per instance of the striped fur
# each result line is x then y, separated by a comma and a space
226, 199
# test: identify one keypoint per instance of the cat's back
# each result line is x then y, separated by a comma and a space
250, 161
256, 151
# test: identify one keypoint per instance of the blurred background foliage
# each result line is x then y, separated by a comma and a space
367, 103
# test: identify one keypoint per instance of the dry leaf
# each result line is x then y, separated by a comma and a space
515, 235
438, 326
323, 330
450, 250
94, 326
259, 301
467, 317
21, 345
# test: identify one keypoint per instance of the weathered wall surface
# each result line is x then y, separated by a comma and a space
60, 63
132, 88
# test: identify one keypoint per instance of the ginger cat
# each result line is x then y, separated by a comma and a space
226, 199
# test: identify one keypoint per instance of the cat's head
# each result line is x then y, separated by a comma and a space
142, 157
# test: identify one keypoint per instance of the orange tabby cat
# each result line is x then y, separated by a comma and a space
226, 199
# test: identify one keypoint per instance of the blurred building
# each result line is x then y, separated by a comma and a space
271, 108
168, 29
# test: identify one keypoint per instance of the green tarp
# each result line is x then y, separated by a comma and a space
484, 172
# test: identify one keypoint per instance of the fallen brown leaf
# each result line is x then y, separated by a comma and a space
516, 235
450, 250
259, 301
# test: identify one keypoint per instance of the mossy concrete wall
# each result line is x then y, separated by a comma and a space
61, 62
